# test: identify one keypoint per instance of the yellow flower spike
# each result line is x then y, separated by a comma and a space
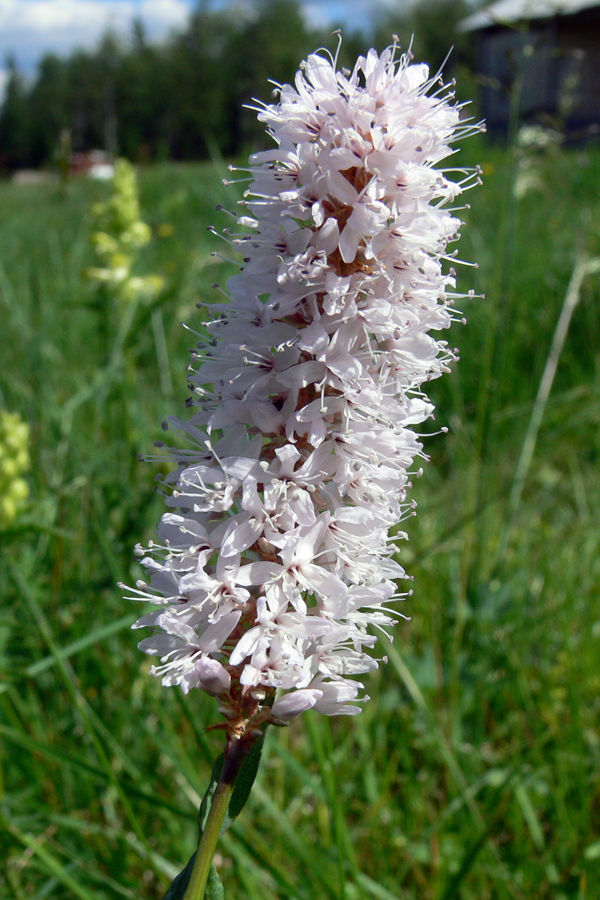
8, 468
137, 234
19, 490
14, 462
8, 511
120, 233
104, 243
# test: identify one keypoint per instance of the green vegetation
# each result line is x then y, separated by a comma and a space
474, 771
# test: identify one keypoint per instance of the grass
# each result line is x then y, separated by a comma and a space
473, 772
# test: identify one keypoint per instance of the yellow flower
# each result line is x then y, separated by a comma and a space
120, 233
14, 462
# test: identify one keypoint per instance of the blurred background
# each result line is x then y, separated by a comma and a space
154, 93
473, 771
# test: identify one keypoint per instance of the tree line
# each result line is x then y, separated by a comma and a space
186, 97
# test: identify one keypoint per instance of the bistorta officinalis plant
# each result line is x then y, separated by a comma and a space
273, 568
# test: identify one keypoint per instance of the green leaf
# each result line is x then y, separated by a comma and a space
241, 791
530, 816
214, 887
208, 796
244, 782
178, 886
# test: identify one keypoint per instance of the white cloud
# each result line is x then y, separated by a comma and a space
354, 14
164, 14
29, 28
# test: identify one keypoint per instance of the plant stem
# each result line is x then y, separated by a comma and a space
583, 267
235, 755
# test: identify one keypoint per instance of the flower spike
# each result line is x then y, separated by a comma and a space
274, 565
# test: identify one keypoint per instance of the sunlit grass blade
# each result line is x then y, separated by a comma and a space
95, 636
52, 864
43, 750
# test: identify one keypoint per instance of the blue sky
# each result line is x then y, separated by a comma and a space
28, 28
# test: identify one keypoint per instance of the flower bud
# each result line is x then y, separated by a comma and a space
291, 705
212, 676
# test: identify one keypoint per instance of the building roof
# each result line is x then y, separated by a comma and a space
508, 12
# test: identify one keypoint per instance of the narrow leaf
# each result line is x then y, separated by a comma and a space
208, 796
244, 782
94, 637
214, 887
178, 886
530, 816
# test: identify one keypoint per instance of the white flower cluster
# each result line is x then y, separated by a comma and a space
275, 563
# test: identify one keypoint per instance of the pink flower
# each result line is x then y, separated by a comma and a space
278, 563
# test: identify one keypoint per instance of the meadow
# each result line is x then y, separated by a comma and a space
474, 770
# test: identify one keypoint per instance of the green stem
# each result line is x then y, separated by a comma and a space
234, 759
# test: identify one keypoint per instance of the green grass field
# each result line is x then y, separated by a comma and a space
474, 771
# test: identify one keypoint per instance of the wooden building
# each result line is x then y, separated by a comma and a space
546, 53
